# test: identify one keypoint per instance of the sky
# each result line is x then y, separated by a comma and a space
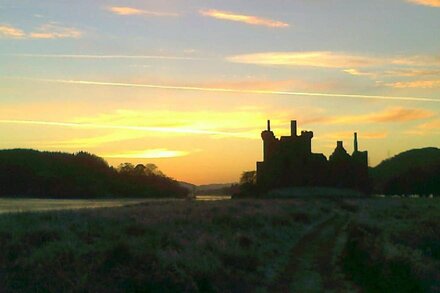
189, 84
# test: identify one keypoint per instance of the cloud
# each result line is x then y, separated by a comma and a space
432, 3
348, 135
46, 31
357, 72
400, 72
8, 31
417, 60
163, 130
248, 19
127, 11
53, 31
349, 63
412, 72
398, 114
313, 58
275, 85
231, 90
389, 115
93, 141
416, 84
427, 128
148, 154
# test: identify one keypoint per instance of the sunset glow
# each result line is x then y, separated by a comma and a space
189, 86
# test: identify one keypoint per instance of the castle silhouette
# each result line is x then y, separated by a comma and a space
289, 162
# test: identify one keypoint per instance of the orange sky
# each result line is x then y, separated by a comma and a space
188, 85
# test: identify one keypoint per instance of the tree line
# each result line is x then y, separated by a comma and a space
60, 175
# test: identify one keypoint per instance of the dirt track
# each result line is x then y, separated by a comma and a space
312, 265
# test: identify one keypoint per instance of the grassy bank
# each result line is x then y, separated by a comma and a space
165, 246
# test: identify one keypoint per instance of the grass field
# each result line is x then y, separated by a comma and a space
371, 245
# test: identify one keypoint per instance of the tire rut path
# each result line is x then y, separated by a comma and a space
312, 265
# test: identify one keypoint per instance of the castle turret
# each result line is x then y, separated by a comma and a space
356, 142
293, 128
269, 142
339, 154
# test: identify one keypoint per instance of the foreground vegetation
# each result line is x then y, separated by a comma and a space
394, 245
166, 246
374, 245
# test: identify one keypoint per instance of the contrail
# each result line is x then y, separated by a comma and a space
228, 90
124, 127
81, 56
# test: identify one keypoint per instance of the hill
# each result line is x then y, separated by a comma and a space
32, 173
216, 189
415, 171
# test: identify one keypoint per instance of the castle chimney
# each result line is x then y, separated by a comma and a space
355, 142
268, 125
340, 144
293, 131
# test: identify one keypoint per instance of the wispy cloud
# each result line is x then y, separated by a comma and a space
350, 63
53, 31
432, 3
389, 115
162, 130
427, 128
314, 59
127, 11
416, 84
417, 60
357, 72
348, 135
127, 125
45, 31
247, 19
274, 85
398, 114
148, 154
229, 90
88, 56
412, 72
399, 72
8, 31
91, 141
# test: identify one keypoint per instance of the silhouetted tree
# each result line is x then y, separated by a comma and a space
248, 177
248, 184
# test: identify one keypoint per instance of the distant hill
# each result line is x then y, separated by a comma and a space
26, 172
188, 186
210, 189
415, 171
214, 186
216, 189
